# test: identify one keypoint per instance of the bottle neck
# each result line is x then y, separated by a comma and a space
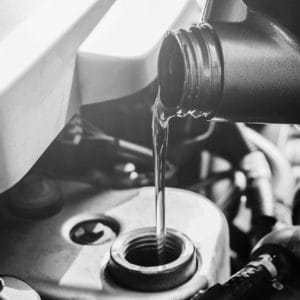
190, 71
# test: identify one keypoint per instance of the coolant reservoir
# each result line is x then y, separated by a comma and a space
66, 256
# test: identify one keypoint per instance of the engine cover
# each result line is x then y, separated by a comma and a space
64, 256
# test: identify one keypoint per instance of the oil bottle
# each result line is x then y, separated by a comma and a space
241, 67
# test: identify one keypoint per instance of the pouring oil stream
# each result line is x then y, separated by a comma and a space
160, 130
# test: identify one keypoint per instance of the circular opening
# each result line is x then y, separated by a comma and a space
171, 71
135, 263
144, 252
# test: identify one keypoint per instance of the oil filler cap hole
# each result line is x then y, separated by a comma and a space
95, 232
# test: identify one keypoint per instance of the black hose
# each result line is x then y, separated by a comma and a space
273, 196
282, 174
274, 261
243, 154
242, 285
283, 181
259, 190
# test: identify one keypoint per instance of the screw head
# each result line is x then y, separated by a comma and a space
94, 232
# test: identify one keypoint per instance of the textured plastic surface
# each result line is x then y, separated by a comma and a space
43, 253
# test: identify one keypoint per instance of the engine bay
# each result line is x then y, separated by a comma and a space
83, 222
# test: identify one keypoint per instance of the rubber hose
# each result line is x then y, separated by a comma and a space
283, 178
